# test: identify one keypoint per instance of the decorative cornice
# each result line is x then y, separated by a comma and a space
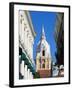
30, 23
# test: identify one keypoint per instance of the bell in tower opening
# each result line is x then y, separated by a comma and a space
43, 57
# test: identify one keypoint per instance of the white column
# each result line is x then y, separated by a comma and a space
30, 75
26, 72
22, 68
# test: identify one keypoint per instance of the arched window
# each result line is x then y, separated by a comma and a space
43, 66
43, 53
43, 63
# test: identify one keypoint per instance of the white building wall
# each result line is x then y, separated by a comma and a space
27, 41
24, 27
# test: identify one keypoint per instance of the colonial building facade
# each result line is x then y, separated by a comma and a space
59, 38
26, 41
43, 57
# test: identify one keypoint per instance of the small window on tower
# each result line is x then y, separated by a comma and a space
43, 53
43, 66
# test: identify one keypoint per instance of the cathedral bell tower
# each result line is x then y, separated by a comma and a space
43, 57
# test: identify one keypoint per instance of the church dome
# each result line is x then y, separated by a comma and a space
43, 44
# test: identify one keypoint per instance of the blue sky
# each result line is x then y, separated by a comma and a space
46, 19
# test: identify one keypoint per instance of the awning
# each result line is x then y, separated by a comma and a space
27, 62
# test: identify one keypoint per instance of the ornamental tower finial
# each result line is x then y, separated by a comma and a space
43, 33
